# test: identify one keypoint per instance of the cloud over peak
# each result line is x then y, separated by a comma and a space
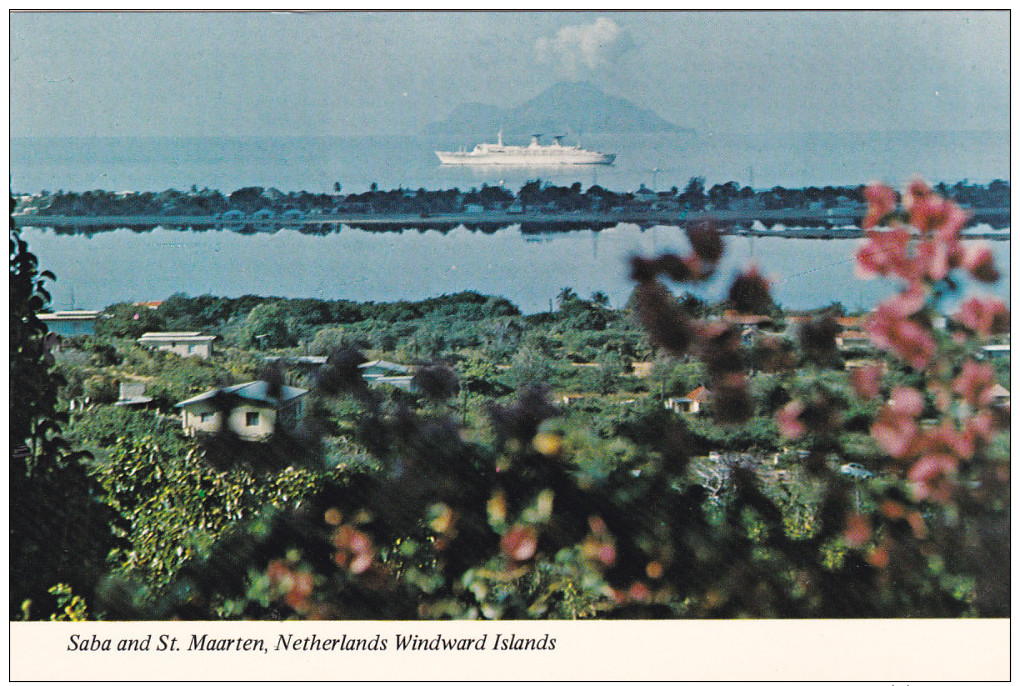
584, 49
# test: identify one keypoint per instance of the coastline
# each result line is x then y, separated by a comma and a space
795, 222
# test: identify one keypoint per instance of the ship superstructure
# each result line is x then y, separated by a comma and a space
534, 154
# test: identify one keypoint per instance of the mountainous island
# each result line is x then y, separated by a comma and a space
567, 108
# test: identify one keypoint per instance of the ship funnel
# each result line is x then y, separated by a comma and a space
534, 138
558, 139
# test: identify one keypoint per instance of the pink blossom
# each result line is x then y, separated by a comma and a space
910, 341
909, 301
933, 258
959, 442
984, 315
788, 419
881, 201
930, 475
930, 212
519, 543
885, 252
866, 381
980, 426
979, 261
895, 431
908, 401
915, 191
858, 530
975, 382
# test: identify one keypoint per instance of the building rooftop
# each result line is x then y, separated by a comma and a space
255, 391
377, 365
697, 395
69, 315
196, 336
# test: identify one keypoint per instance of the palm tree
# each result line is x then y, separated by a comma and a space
566, 294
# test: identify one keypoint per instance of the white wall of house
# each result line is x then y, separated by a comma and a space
250, 422
201, 349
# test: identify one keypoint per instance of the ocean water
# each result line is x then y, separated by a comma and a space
658, 161
126, 265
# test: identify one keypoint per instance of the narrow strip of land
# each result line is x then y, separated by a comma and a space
843, 222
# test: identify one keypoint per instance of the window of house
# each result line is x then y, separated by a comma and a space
205, 417
251, 418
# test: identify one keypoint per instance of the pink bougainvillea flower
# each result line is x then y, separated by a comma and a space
908, 301
985, 316
974, 382
599, 549
916, 190
931, 477
979, 261
788, 419
858, 529
867, 380
940, 392
640, 592
935, 258
911, 342
907, 400
896, 432
930, 212
354, 549
946, 437
885, 252
519, 543
301, 588
879, 557
980, 426
881, 201
916, 521
892, 509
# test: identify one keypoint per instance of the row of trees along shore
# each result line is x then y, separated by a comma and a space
532, 196
473, 499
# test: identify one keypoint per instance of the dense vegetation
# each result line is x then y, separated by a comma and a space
536, 472
532, 196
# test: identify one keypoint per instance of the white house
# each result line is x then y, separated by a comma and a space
247, 410
132, 394
183, 343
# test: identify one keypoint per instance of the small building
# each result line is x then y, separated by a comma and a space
995, 351
247, 410
71, 323
183, 343
404, 383
690, 403
132, 394
852, 339
379, 368
998, 395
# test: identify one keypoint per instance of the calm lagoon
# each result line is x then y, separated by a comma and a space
126, 265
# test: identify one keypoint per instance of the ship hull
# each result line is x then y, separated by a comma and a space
468, 159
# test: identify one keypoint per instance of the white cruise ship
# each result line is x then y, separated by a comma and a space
498, 154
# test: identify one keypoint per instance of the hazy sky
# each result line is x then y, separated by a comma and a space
354, 73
